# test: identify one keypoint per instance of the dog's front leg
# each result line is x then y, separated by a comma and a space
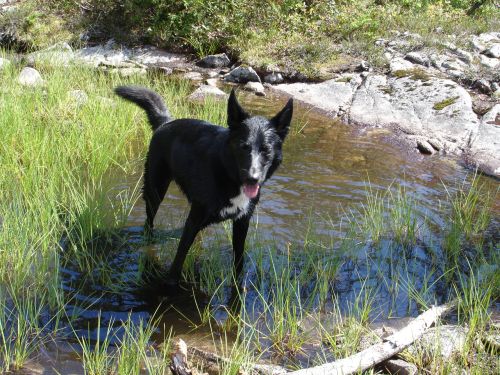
195, 222
240, 230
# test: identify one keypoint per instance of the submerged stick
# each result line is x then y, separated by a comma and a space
378, 353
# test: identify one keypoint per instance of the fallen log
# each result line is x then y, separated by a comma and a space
380, 352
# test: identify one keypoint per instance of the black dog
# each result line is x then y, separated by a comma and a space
219, 170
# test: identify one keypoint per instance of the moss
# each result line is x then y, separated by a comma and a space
416, 74
445, 103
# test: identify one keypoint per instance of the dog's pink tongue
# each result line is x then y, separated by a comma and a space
251, 191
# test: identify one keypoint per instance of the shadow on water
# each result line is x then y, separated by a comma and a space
322, 180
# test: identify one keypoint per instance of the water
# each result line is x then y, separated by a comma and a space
324, 179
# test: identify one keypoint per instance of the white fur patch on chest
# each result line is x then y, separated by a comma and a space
239, 206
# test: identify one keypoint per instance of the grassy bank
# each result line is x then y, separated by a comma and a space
310, 38
63, 203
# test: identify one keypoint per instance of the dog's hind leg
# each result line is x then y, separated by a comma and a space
195, 222
156, 180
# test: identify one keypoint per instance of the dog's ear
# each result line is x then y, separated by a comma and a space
235, 114
282, 120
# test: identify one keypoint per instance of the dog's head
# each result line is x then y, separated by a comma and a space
256, 143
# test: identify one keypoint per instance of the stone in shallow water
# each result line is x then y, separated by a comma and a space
205, 91
255, 87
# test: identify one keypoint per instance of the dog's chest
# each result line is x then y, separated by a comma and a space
237, 208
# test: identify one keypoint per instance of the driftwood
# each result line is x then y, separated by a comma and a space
356, 363
378, 353
210, 361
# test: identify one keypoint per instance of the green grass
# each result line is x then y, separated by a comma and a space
445, 103
60, 165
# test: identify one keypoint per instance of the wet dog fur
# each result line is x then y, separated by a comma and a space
220, 170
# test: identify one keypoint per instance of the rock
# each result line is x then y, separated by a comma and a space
214, 61
255, 87
242, 74
483, 86
493, 51
194, 76
150, 56
205, 91
363, 66
443, 341
398, 63
453, 65
417, 58
30, 77
435, 108
484, 152
496, 94
4, 63
489, 62
436, 144
274, 78
128, 72
212, 82
400, 367
328, 96
425, 147
463, 55
212, 74
59, 54
79, 97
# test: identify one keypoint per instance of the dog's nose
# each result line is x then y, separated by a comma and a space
252, 180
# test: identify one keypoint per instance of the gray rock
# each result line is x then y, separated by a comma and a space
496, 94
129, 71
493, 51
214, 61
400, 367
328, 96
436, 144
79, 97
484, 150
204, 92
363, 66
255, 87
212, 74
30, 77
417, 58
443, 341
489, 62
437, 108
483, 86
212, 82
495, 86
274, 78
4, 63
194, 76
150, 56
242, 74
482, 42
453, 65
59, 54
399, 63
463, 55
424, 147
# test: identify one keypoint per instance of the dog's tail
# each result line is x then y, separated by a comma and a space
148, 100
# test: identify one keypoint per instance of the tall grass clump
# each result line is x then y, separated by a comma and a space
61, 161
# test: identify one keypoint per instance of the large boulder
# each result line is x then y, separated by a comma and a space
484, 152
417, 105
333, 97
